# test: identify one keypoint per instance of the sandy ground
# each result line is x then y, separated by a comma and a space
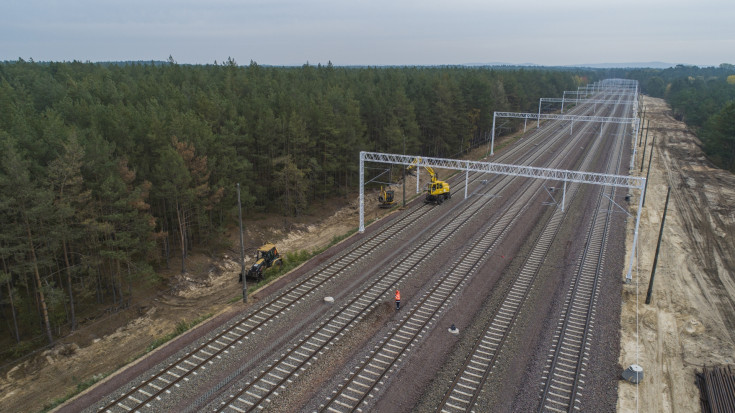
690, 322
209, 287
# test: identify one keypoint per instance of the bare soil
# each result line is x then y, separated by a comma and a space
690, 322
209, 286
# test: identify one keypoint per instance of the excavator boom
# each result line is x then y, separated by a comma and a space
437, 191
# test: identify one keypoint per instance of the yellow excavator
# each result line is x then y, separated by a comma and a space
436, 191
386, 197
265, 257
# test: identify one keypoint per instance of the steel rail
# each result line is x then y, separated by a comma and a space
357, 387
582, 293
281, 381
140, 395
361, 382
282, 370
485, 352
294, 294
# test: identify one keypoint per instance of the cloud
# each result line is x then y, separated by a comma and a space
367, 32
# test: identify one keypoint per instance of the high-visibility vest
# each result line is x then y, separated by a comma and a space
398, 295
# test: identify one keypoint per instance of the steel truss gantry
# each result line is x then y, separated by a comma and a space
633, 97
606, 89
623, 181
607, 94
552, 116
623, 84
594, 92
601, 86
563, 100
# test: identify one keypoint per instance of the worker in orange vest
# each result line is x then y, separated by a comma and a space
398, 300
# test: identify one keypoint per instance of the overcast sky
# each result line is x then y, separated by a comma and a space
374, 32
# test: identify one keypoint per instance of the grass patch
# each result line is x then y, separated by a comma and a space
292, 260
338, 238
81, 386
181, 327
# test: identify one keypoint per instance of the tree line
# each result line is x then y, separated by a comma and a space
109, 172
704, 98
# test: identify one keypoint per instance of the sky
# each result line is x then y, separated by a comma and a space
374, 32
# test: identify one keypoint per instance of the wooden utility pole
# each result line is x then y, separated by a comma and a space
643, 118
658, 248
645, 145
650, 157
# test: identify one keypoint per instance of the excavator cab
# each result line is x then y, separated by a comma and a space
436, 191
386, 197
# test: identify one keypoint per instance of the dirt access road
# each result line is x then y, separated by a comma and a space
690, 322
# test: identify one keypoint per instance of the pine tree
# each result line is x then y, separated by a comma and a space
71, 201
31, 205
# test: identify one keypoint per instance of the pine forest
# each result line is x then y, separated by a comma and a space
111, 172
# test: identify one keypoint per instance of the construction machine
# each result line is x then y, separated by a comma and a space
436, 191
265, 257
386, 197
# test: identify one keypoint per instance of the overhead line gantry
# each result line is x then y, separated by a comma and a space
468, 166
552, 116
578, 101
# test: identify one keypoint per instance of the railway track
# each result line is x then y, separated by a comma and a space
564, 374
479, 363
171, 376
421, 316
169, 379
351, 394
274, 378
309, 348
